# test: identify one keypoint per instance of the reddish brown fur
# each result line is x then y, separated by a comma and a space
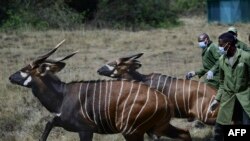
89, 107
177, 90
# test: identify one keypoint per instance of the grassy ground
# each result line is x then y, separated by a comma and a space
171, 52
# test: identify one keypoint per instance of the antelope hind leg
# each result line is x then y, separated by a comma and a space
169, 130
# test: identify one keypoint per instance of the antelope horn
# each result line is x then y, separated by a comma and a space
45, 56
131, 57
66, 57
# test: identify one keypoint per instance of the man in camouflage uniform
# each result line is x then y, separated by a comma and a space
233, 95
210, 57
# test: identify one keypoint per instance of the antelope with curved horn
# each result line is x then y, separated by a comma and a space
106, 107
190, 98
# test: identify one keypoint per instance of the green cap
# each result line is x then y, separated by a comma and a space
232, 29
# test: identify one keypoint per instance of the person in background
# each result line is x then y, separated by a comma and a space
249, 38
239, 43
210, 56
233, 96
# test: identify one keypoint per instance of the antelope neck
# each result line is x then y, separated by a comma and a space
134, 75
50, 92
54, 84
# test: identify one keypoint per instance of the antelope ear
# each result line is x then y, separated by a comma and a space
56, 67
52, 67
137, 66
42, 68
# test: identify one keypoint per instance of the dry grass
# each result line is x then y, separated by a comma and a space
171, 52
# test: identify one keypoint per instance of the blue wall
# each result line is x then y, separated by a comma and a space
228, 11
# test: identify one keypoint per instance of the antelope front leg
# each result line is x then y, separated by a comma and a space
49, 126
152, 136
135, 137
86, 136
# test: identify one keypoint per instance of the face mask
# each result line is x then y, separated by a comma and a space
222, 49
202, 45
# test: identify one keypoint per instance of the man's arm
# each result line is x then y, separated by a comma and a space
201, 72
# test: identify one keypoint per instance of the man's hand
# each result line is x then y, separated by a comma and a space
210, 75
213, 105
190, 74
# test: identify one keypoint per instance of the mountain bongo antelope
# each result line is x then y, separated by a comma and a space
190, 98
98, 106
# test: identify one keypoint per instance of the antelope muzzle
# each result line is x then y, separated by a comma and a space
20, 78
105, 70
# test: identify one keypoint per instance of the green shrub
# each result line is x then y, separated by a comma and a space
189, 7
22, 18
41, 15
58, 14
135, 13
